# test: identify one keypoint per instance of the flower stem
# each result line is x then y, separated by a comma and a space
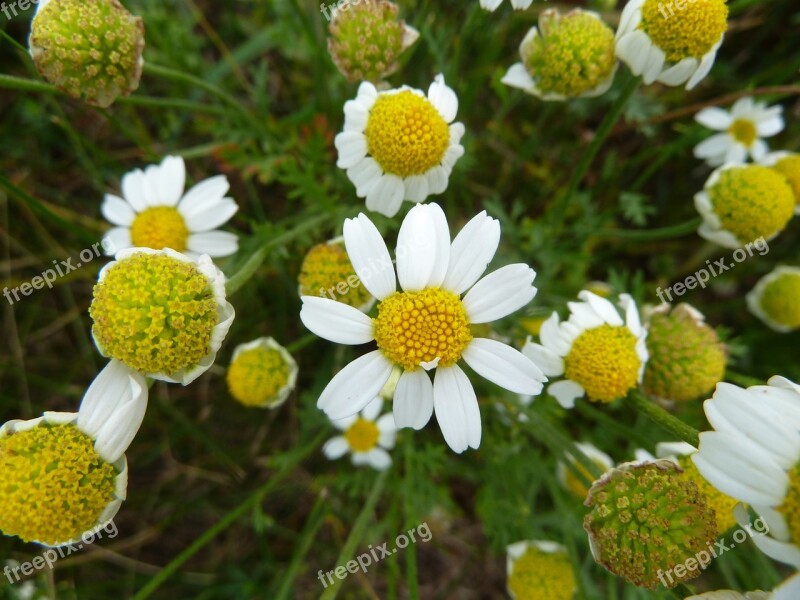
650, 235
660, 416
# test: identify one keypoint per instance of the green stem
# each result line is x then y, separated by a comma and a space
649, 235
412, 580
660, 416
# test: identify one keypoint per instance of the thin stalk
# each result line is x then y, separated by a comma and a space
658, 415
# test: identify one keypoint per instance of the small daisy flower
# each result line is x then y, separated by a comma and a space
262, 373
566, 475
743, 203
327, 272
567, 56
366, 436
599, 355
776, 299
427, 325
161, 313
399, 144
517, 4
788, 590
753, 455
539, 569
788, 165
743, 127
64, 475
675, 47
155, 213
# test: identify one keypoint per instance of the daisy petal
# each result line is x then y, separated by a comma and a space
456, 408
443, 98
566, 392
632, 49
500, 293
202, 195
505, 366
679, 73
133, 190
423, 248
437, 180
336, 321
369, 256
379, 459
413, 399
335, 447
713, 146
352, 147
117, 211
471, 252
517, 76
364, 175
714, 118
772, 126
386, 195
214, 215
548, 361
214, 243
373, 409
416, 188
116, 239
355, 386
171, 178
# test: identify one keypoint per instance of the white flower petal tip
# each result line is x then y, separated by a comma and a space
429, 365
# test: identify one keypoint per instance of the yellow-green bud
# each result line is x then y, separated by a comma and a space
262, 374
539, 569
788, 165
776, 299
327, 272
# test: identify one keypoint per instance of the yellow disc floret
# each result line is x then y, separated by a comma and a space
416, 327
154, 313
790, 508
538, 574
256, 377
362, 435
780, 299
327, 271
604, 362
405, 134
54, 486
752, 201
721, 504
160, 227
789, 167
690, 32
743, 131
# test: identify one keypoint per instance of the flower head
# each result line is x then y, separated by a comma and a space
427, 324
539, 569
155, 213
672, 48
568, 56
517, 4
788, 165
596, 352
262, 373
327, 272
89, 49
399, 144
366, 436
566, 474
161, 313
743, 129
776, 299
743, 203
64, 475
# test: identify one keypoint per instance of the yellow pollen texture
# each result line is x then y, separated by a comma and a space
160, 227
688, 32
327, 271
54, 486
721, 504
604, 362
405, 134
415, 327
743, 131
363, 435
790, 509
780, 299
256, 376
789, 167
537, 574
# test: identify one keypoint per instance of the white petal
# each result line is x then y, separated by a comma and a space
356, 115
378, 459
770, 127
416, 188
373, 409
678, 73
369, 256
213, 243
583, 316
471, 252
566, 392
716, 145
548, 361
352, 147
171, 180
630, 18
456, 408
335, 447
653, 65
552, 337
521, 4
457, 131
490, 4
214, 215
386, 195
133, 190
505, 366
355, 386
632, 321
117, 211
604, 309
704, 68
517, 76
500, 293
788, 590
736, 153
633, 49
116, 239
336, 321
437, 180
203, 195
365, 175
759, 150
413, 399
423, 248
344, 424
714, 118
443, 98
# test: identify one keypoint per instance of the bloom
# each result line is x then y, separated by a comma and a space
753, 455
776, 299
327, 271
566, 474
788, 165
262, 373
64, 475
161, 313
539, 569
399, 144
427, 324
672, 49
742, 203
743, 128
598, 354
788, 590
366, 436
568, 56
155, 213
517, 4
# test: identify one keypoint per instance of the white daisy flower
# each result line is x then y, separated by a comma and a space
743, 129
517, 4
675, 47
753, 455
399, 144
366, 437
788, 590
427, 324
598, 354
776, 299
83, 453
155, 213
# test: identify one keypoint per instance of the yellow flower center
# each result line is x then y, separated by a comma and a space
54, 486
160, 227
405, 134
721, 504
154, 313
576, 485
604, 362
415, 327
789, 167
256, 377
538, 574
790, 509
743, 131
780, 299
327, 271
362, 435
685, 32
752, 201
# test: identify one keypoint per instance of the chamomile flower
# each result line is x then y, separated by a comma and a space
776, 299
539, 569
753, 455
155, 213
161, 313
399, 144
64, 475
743, 129
366, 436
742, 203
598, 354
788, 165
788, 590
262, 373
517, 4
673, 48
427, 324
566, 474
